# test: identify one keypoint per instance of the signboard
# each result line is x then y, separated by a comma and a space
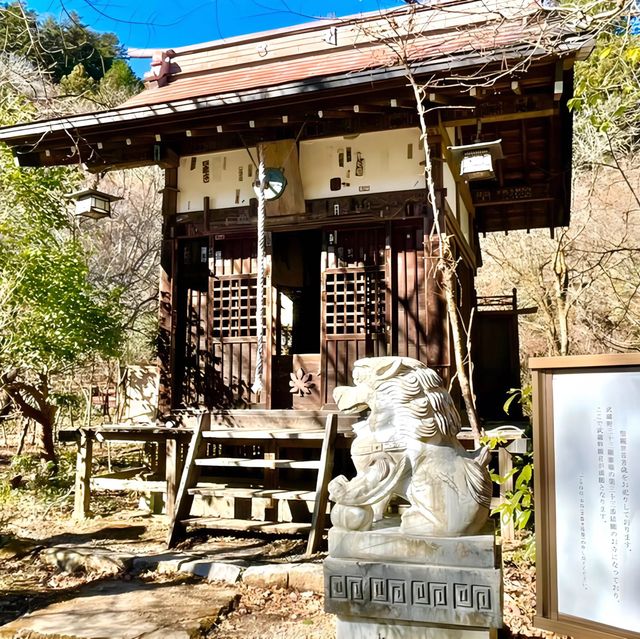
586, 429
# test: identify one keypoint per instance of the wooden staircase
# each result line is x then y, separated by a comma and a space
266, 446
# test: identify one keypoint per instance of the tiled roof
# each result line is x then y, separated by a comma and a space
458, 33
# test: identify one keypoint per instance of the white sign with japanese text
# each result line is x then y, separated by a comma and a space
597, 491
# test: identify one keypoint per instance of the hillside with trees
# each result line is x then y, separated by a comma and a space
584, 279
71, 294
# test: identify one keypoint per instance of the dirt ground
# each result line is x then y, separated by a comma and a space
30, 523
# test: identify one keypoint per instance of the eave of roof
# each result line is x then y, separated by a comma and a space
133, 115
324, 71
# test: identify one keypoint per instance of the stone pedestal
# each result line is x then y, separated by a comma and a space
385, 584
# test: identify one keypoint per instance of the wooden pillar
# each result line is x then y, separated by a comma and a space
83, 475
174, 468
166, 332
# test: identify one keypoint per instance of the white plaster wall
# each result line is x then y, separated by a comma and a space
391, 162
230, 180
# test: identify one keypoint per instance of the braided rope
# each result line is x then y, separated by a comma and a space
260, 328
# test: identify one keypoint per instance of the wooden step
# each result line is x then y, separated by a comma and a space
277, 528
241, 433
221, 490
268, 420
246, 487
118, 483
257, 462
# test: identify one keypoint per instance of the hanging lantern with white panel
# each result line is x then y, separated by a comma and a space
93, 204
476, 161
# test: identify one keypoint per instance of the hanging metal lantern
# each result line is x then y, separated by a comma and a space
93, 204
476, 161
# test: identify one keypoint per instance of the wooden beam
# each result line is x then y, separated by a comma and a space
322, 483
505, 117
558, 83
395, 103
157, 154
84, 458
367, 108
183, 499
450, 100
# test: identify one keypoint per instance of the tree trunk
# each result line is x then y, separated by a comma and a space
39, 409
562, 307
23, 436
448, 268
458, 350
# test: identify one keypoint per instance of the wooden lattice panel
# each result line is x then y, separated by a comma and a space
234, 306
355, 301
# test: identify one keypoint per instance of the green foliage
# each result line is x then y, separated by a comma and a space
607, 94
518, 503
120, 77
78, 82
57, 46
46, 480
57, 317
524, 396
84, 62
117, 85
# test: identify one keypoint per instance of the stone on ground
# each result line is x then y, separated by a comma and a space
88, 559
304, 577
267, 576
128, 610
212, 570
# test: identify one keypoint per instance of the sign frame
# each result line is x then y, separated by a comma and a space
548, 617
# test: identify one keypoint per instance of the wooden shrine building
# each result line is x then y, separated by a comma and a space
350, 246
348, 249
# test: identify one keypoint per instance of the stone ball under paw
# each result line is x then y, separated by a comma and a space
352, 517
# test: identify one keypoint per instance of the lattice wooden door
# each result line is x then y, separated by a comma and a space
232, 321
354, 304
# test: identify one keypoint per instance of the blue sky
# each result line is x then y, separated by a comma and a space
154, 24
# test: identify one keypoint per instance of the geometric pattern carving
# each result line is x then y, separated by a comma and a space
338, 587
462, 597
411, 592
423, 593
379, 592
438, 595
482, 597
419, 593
397, 591
355, 588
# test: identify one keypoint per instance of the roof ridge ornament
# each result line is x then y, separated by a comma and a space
160, 68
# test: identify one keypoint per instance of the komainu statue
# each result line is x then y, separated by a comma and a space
407, 446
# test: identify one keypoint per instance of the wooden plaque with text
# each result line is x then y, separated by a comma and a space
586, 412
